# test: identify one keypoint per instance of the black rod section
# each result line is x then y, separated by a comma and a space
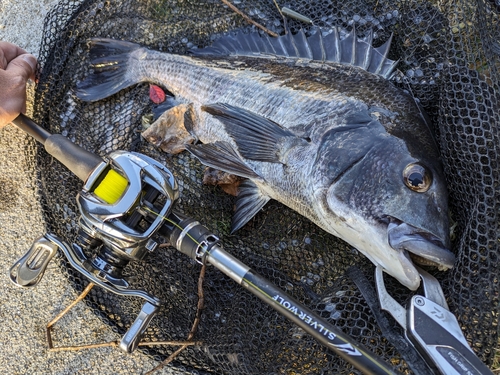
78, 160
325, 333
196, 241
29, 126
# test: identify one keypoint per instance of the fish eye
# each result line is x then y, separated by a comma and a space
417, 177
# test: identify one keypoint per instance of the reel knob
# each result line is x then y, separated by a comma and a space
133, 336
29, 269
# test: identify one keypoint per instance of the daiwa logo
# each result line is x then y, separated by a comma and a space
348, 349
438, 314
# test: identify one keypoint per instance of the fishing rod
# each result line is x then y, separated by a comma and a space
125, 204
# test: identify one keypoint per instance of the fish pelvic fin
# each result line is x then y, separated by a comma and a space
249, 201
322, 45
256, 137
109, 58
221, 155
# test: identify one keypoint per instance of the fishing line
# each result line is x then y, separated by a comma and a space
173, 223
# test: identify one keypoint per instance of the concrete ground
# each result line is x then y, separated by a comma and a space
24, 313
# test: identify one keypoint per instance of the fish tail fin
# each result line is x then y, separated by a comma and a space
110, 61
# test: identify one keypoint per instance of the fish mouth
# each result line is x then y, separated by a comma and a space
422, 247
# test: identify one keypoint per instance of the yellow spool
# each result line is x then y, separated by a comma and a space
111, 187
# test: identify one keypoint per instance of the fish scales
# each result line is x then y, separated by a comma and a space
195, 82
264, 87
337, 143
199, 81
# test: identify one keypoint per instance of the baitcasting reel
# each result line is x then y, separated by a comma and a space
123, 204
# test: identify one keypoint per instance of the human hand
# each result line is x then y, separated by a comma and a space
16, 67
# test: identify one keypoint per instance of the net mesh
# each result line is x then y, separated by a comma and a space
449, 59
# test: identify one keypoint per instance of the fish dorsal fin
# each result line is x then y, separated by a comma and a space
321, 45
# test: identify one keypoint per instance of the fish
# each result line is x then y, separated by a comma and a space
312, 121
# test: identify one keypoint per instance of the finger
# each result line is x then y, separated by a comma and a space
23, 66
9, 52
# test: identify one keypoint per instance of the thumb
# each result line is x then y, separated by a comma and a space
23, 65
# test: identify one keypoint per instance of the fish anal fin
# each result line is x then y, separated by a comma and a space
249, 201
221, 155
168, 132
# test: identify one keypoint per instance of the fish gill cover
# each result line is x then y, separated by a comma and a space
448, 54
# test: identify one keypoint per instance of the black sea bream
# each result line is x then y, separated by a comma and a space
311, 122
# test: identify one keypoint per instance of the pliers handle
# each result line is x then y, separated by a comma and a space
431, 328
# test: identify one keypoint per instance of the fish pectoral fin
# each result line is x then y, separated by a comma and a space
169, 132
256, 137
220, 155
249, 201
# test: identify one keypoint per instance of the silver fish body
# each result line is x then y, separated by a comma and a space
337, 143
